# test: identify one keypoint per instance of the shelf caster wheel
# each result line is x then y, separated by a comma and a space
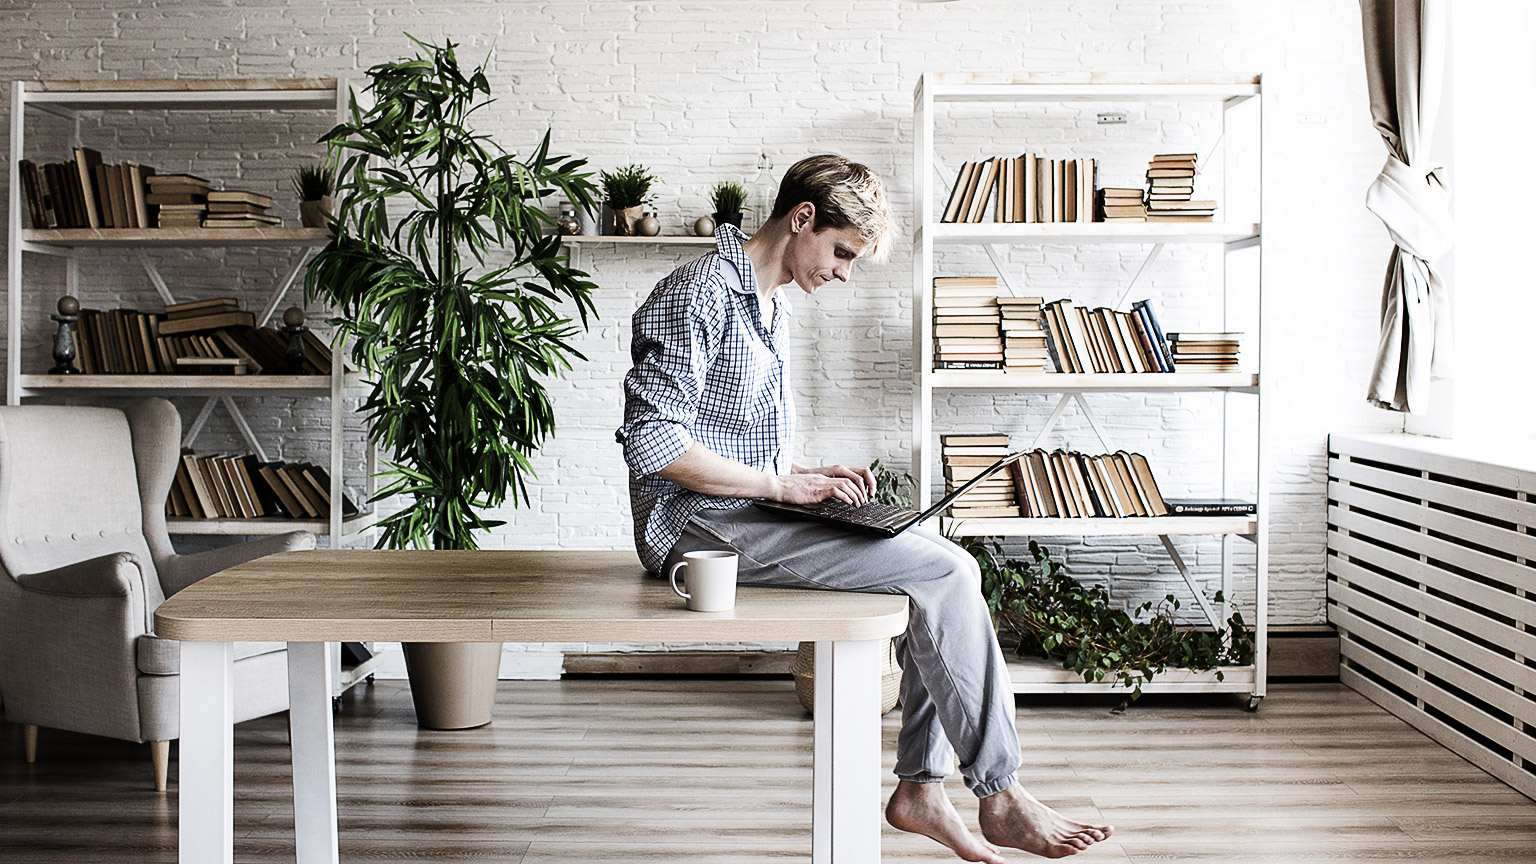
370, 679
1253, 703
336, 704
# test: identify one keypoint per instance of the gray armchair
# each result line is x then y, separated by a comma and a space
86, 559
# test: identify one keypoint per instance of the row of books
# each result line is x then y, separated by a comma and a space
241, 487
1104, 340
1049, 484
1024, 188
1171, 190
85, 192
199, 337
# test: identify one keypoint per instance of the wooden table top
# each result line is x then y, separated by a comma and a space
567, 595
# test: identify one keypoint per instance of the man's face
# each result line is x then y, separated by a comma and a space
818, 257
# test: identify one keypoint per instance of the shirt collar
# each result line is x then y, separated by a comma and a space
728, 240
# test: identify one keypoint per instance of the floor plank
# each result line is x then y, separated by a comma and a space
718, 770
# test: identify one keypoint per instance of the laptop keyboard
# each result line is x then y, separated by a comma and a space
873, 515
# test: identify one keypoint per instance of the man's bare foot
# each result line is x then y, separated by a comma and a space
1014, 818
923, 808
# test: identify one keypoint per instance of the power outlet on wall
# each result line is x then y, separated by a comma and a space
1111, 118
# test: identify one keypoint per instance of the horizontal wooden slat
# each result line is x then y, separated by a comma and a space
1492, 536
1493, 664
1449, 494
1363, 630
1434, 608
1467, 748
1509, 464
1498, 731
1505, 603
1493, 567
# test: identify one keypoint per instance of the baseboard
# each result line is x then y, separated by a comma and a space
1295, 651
681, 663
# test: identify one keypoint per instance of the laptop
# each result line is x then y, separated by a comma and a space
881, 519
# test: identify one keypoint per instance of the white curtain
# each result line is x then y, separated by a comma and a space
1405, 43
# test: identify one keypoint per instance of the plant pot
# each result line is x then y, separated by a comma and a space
804, 672
453, 684
625, 220
728, 219
315, 214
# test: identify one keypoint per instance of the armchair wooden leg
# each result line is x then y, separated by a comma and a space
160, 752
29, 741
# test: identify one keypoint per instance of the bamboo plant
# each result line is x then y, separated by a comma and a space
454, 294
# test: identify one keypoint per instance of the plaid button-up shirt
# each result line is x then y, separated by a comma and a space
706, 369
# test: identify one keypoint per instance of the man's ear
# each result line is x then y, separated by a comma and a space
803, 216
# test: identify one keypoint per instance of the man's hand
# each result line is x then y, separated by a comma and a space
811, 485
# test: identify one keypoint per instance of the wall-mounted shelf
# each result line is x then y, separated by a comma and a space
222, 237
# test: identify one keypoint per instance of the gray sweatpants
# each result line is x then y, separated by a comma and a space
956, 699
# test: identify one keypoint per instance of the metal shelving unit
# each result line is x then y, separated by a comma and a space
1078, 389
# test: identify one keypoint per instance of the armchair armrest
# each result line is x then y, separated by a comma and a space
113, 575
183, 570
50, 596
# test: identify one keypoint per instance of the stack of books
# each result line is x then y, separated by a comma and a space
1206, 352
966, 319
966, 456
182, 199
238, 208
1071, 485
241, 487
1102, 340
1121, 205
1023, 340
1024, 188
1171, 190
201, 337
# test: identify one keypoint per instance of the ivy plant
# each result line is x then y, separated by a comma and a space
454, 294
1050, 614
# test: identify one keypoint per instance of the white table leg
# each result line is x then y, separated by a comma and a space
313, 743
845, 819
206, 784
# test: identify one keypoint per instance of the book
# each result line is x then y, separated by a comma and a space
239, 195
196, 308
957, 192
214, 321
86, 160
1210, 507
983, 192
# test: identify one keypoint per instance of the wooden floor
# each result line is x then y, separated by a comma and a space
718, 770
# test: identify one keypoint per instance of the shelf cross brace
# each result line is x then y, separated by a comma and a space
1178, 561
1146, 264
154, 277
1060, 409
235, 414
282, 289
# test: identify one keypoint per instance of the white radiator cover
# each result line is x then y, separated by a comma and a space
1430, 576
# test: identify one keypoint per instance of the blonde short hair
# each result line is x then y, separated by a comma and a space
845, 194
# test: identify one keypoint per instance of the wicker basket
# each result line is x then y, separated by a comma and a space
804, 670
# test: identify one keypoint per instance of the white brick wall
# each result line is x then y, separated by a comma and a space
696, 90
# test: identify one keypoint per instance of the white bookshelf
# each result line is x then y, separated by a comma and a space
929, 236
144, 246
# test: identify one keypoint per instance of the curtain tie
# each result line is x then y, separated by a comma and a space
1413, 203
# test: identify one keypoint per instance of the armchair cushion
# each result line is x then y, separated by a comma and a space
158, 656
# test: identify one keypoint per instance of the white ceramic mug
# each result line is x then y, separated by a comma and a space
711, 580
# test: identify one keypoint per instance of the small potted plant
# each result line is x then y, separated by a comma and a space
625, 193
728, 197
314, 184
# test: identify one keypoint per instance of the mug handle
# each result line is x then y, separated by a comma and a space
673, 577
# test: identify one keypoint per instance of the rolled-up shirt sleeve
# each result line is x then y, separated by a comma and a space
677, 334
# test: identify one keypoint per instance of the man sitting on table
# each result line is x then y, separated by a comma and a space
708, 419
